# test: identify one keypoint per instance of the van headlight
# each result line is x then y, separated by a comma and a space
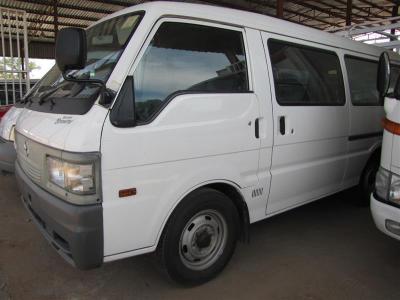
387, 186
76, 178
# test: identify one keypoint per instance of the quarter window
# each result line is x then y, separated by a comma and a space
305, 75
188, 58
362, 81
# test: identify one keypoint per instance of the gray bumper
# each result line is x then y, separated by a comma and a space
76, 232
7, 156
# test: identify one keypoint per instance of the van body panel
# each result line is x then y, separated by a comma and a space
309, 156
194, 139
262, 88
365, 129
75, 133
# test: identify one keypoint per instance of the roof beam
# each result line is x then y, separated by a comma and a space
69, 6
263, 4
66, 24
115, 2
315, 7
362, 9
41, 12
372, 4
294, 12
351, 9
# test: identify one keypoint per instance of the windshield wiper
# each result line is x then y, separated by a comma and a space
106, 94
47, 94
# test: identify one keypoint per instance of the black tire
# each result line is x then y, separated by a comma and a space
172, 251
367, 182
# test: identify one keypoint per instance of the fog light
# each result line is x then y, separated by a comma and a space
392, 226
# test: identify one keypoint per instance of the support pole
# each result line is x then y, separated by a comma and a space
395, 12
55, 16
279, 9
349, 8
3, 50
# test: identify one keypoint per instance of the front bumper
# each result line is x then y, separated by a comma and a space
7, 156
76, 232
381, 213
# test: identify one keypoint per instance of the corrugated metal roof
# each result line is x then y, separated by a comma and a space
322, 14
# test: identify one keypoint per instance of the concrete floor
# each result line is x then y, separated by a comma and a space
329, 249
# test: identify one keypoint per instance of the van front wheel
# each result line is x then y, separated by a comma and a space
200, 237
367, 182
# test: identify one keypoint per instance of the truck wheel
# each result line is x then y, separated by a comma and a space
367, 182
200, 237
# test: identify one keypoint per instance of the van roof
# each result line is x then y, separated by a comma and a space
235, 17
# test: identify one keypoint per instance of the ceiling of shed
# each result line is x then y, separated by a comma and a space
323, 14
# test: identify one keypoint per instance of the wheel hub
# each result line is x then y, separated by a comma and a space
203, 240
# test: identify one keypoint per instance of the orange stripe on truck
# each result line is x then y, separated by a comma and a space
391, 126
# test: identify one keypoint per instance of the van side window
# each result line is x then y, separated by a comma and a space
362, 80
305, 75
394, 75
188, 58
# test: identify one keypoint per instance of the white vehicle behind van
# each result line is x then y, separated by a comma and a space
7, 137
171, 127
385, 201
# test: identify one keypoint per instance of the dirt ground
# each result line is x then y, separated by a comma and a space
329, 249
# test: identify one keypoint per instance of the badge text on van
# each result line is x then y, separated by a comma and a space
64, 120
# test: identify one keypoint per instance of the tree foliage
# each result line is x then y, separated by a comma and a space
12, 66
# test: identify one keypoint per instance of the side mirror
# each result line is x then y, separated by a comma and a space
383, 80
71, 49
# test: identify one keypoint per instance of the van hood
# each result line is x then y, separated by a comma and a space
75, 133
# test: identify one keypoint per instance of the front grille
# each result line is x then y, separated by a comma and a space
30, 170
31, 157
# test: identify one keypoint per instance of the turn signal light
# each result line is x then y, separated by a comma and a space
127, 193
391, 126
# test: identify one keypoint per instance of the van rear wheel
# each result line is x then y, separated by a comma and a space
200, 237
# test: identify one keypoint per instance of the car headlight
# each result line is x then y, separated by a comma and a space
394, 191
12, 134
76, 178
382, 183
387, 186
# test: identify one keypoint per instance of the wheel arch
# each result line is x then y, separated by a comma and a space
375, 155
228, 188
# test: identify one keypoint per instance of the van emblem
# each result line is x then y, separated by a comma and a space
26, 148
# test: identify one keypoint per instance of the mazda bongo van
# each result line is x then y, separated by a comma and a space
170, 127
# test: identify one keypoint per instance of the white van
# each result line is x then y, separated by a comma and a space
173, 126
385, 201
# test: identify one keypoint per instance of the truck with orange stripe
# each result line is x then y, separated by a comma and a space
385, 200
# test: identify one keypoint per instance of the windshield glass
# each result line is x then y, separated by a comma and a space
105, 43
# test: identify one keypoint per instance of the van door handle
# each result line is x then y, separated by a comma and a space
282, 125
257, 128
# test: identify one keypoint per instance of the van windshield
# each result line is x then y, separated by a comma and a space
105, 43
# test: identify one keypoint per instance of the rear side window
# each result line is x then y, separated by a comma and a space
188, 58
305, 75
362, 81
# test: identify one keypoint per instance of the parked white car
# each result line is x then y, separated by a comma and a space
173, 126
7, 149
